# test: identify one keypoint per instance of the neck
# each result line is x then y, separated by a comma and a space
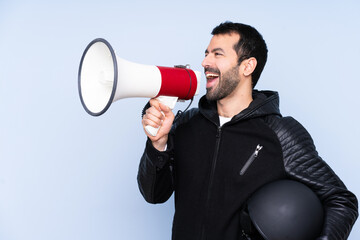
233, 104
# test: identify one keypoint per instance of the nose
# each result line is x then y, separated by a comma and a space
206, 62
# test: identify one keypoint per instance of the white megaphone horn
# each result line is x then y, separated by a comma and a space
105, 78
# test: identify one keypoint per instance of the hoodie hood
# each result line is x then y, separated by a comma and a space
264, 103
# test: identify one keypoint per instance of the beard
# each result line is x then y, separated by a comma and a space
226, 84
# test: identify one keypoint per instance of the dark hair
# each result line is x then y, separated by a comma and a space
251, 44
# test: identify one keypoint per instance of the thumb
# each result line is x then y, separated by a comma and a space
165, 109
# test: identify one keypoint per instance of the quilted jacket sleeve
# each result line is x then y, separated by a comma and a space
302, 163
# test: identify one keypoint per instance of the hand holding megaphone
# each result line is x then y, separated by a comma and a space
158, 118
163, 104
105, 78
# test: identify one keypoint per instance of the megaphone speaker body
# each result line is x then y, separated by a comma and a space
105, 78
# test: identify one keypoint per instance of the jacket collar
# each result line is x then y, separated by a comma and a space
264, 103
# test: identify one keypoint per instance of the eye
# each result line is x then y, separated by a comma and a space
218, 54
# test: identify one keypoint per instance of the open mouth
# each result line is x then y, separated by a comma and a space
211, 79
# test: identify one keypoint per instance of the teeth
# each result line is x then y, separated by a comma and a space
210, 75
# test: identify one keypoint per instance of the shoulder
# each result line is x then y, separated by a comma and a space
296, 142
288, 129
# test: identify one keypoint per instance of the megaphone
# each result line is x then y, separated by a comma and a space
104, 78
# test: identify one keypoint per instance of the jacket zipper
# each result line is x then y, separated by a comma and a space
218, 136
251, 159
216, 153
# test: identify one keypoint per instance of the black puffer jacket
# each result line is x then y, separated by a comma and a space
204, 164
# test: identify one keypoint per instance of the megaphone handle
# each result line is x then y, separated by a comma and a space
168, 101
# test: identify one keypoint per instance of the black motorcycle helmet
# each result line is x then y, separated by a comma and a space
286, 210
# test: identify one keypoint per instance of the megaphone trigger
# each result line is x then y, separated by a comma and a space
168, 101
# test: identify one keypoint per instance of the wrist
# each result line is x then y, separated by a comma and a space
160, 144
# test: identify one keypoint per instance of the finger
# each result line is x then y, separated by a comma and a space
154, 103
148, 122
153, 120
152, 111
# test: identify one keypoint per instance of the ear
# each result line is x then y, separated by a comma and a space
249, 66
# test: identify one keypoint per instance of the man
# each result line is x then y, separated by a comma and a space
215, 156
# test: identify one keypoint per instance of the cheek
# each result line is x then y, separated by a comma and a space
222, 68
225, 66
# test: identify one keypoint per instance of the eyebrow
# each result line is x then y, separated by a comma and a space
215, 50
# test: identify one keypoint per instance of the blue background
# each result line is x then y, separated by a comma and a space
67, 175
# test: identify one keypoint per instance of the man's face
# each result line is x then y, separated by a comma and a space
221, 66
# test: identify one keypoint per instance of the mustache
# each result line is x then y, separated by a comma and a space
213, 70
